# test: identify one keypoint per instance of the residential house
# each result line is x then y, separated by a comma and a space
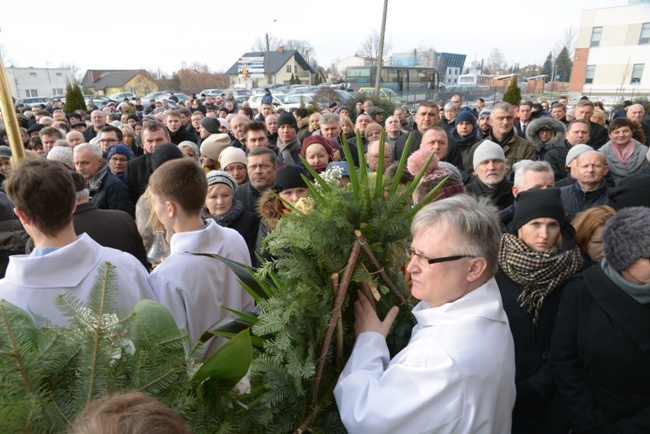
109, 81
251, 69
32, 82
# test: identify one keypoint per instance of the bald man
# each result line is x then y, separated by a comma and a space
75, 138
636, 113
590, 188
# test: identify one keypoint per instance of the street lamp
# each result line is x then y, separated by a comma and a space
268, 55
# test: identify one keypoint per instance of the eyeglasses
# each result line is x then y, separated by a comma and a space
429, 261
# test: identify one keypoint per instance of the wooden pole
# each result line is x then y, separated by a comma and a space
380, 56
11, 120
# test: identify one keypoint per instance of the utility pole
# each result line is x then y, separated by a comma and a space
380, 57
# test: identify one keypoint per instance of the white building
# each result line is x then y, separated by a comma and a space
612, 54
29, 82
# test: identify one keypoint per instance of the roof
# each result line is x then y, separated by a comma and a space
101, 79
537, 77
277, 61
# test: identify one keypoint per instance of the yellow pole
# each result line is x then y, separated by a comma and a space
11, 120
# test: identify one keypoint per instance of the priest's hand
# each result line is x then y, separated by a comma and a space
366, 319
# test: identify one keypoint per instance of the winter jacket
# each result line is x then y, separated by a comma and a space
501, 196
556, 157
598, 135
600, 355
181, 135
556, 142
575, 199
112, 194
634, 164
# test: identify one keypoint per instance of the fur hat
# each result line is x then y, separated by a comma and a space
232, 155
163, 153
214, 145
631, 191
211, 124
287, 118
626, 237
289, 176
575, 152
538, 203
221, 177
433, 175
488, 150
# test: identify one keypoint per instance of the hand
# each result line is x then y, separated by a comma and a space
366, 319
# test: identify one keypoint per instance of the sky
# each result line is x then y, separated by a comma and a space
162, 35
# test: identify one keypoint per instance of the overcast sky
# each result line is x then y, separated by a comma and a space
136, 34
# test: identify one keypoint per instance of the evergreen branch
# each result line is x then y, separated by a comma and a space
401, 165
380, 268
58, 408
157, 380
326, 187
338, 303
16, 353
354, 177
98, 332
304, 427
379, 181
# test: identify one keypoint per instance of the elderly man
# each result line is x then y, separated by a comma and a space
75, 138
529, 174
577, 133
363, 120
98, 121
636, 112
138, 170
448, 121
590, 188
491, 182
437, 140
426, 116
262, 163
503, 133
457, 373
372, 156
271, 123
106, 190
598, 135
393, 128
237, 124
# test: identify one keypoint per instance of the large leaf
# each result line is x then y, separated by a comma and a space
229, 363
235, 322
243, 272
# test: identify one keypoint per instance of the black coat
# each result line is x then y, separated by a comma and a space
556, 157
398, 149
248, 196
247, 225
113, 194
501, 196
600, 356
598, 135
136, 178
575, 199
110, 228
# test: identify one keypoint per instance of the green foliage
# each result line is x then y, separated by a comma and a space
49, 374
547, 68
513, 93
563, 65
387, 105
74, 99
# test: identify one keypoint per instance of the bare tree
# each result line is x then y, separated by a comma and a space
428, 57
260, 43
568, 39
75, 71
370, 46
200, 67
496, 61
305, 49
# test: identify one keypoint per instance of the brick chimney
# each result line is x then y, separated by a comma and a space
281, 49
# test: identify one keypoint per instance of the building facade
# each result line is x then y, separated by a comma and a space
612, 54
32, 82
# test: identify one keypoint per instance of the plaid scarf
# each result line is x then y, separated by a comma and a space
538, 272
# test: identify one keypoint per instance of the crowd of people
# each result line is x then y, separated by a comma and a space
531, 265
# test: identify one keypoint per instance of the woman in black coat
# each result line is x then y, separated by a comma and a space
221, 205
534, 264
600, 354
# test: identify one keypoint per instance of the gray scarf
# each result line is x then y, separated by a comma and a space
640, 293
229, 217
95, 182
287, 148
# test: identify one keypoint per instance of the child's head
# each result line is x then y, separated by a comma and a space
178, 189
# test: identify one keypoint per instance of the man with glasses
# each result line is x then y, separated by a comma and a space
457, 373
109, 136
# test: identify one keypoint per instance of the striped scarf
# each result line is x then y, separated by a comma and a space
540, 273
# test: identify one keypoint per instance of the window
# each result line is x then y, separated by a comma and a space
589, 74
596, 34
295, 68
32, 74
57, 91
31, 92
59, 74
644, 39
637, 72
288, 68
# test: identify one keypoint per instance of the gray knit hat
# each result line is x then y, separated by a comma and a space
221, 177
575, 152
626, 237
484, 113
62, 154
5, 152
488, 150
211, 124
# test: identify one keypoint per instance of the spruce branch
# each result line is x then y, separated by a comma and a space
15, 352
97, 331
338, 303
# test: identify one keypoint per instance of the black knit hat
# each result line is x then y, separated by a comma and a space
211, 124
165, 152
134, 117
287, 119
538, 203
289, 176
631, 191
626, 237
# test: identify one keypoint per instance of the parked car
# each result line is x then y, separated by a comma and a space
33, 100
384, 92
121, 95
152, 95
239, 93
212, 92
166, 94
286, 102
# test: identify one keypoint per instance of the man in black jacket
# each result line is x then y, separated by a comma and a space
590, 189
138, 170
598, 135
491, 182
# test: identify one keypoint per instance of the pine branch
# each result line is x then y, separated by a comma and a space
16, 353
98, 330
